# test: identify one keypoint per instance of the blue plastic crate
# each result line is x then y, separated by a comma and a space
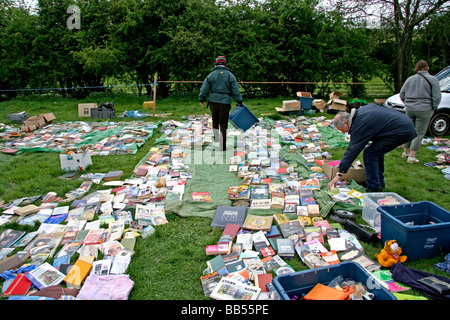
299, 283
243, 118
306, 102
422, 229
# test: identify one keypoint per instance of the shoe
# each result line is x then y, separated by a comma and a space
405, 155
412, 160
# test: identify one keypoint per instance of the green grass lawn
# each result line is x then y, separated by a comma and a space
168, 265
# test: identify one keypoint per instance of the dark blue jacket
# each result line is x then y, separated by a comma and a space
377, 124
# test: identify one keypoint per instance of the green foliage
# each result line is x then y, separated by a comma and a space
132, 41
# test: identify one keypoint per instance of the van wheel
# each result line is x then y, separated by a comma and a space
439, 124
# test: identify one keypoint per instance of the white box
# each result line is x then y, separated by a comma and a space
75, 161
84, 109
371, 201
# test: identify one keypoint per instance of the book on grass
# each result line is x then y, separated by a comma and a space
113, 175
256, 222
78, 273
386, 280
44, 244
292, 229
230, 289
45, 275
209, 282
9, 236
261, 281
19, 287
228, 214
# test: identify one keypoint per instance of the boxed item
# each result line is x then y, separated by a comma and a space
331, 167
297, 284
290, 105
84, 109
243, 118
75, 161
422, 229
335, 103
319, 104
306, 100
371, 201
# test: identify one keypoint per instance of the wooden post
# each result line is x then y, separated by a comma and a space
154, 95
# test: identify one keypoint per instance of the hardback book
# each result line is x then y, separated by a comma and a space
228, 214
113, 175
292, 229
78, 273
19, 287
277, 200
285, 247
230, 232
235, 266
261, 280
260, 204
217, 264
273, 232
256, 222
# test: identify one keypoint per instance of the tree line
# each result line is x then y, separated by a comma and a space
65, 44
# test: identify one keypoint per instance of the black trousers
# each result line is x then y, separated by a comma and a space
220, 113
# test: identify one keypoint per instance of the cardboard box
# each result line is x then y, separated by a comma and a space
304, 94
319, 104
290, 105
335, 103
37, 122
84, 109
358, 175
75, 161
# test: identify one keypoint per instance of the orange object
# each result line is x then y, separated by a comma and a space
323, 292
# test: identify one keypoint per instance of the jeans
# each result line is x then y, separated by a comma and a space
220, 114
373, 157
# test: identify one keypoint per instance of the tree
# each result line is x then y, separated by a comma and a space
17, 32
401, 17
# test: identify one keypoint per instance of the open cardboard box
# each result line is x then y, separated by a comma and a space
330, 168
335, 103
319, 104
36, 122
